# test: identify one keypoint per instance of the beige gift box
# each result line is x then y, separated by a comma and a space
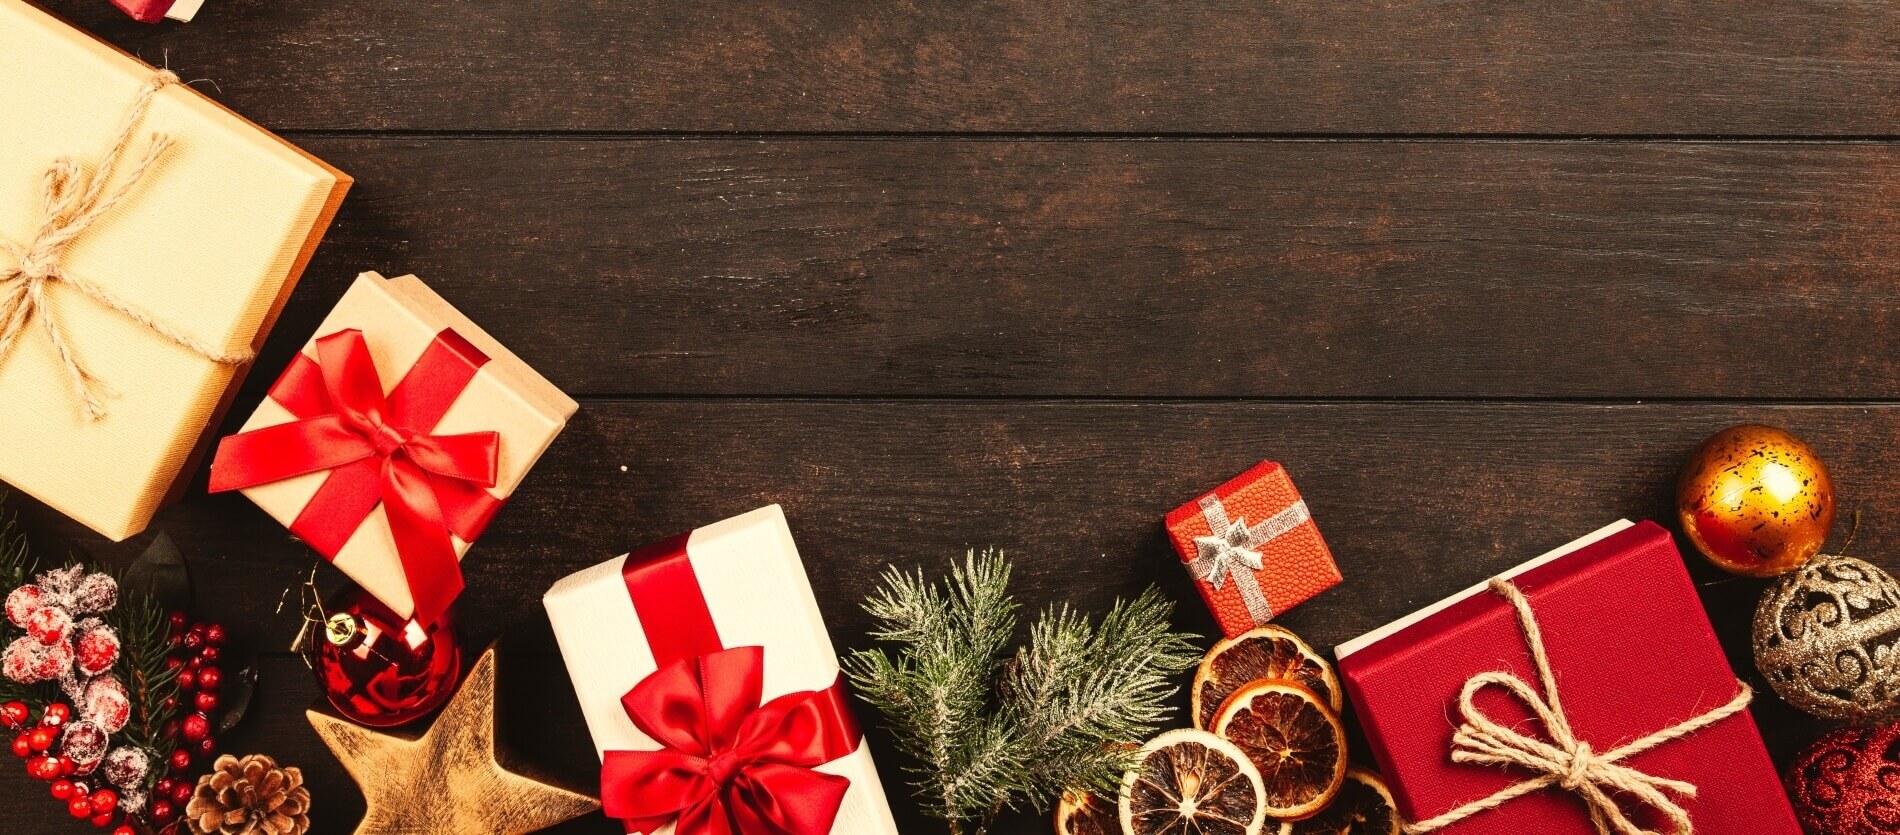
399, 318
209, 243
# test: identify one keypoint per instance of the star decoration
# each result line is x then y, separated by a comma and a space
449, 781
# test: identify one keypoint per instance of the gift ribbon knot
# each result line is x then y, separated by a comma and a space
71, 201
1563, 760
1231, 550
729, 765
379, 449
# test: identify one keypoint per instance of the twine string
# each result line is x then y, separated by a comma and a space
71, 201
1564, 760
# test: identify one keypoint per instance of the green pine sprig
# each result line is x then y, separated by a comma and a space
994, 730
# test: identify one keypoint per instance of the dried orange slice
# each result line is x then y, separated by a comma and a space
1082, 813
1363, 807
1270, 652
1189, 782
1295, 740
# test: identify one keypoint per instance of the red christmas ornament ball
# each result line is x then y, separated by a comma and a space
1849, 782
380, 670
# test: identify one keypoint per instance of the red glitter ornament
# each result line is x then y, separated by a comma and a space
1849, 782
378, 669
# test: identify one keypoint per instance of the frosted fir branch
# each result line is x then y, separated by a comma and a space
1063, 712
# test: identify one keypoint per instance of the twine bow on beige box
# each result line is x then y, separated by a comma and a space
1564, 760
71, 201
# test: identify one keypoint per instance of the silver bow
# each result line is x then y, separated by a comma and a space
1230, 550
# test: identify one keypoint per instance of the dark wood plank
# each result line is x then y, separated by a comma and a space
1210, 66
1196, 269
1417, 500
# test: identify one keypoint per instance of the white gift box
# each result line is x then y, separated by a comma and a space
749, 571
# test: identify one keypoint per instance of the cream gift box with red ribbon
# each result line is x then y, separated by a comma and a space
703, 611
406, 339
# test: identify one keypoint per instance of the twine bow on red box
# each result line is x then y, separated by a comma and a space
378, 449
727, 764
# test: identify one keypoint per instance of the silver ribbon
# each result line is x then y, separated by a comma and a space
1230, 551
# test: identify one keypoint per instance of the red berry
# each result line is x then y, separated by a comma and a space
41, 738
197, 726
170, 704
180, 760
170, 731
125, 829
196, 662
103, 820
62, 789
22, 746
206, 701
68, 765
162, 812
164, 786
104, 801
181, 794
173, 662
79, 807
187, 680
209, 655
80, 788
207, 747
214, 634
193, 640
209, 678
15, 714
56, 714
177, 620
49, 625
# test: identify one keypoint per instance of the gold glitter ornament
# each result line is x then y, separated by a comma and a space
1755, 500
1825, 638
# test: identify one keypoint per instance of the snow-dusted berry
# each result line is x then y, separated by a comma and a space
60, 582
104, 703
23, 602
85, 743
126, 766
95, 646
28, 661
131, 800
96, 593
49, 625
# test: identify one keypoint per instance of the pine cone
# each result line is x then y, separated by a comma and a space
251, 796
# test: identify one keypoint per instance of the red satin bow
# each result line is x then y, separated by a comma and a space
379, 451
730, 766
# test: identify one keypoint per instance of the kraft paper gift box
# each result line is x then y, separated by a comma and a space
1634, 660
1253, 548
204, 243
734, 584
471, 389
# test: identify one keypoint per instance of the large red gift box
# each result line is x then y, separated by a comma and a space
1632, 655
1253, 548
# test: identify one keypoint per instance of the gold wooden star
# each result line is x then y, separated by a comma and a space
449, 781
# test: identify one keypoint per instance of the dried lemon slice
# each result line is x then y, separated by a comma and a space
1293, 738
1190, 781
1270, 652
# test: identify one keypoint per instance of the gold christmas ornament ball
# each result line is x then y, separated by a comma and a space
1756, 500
1825, 639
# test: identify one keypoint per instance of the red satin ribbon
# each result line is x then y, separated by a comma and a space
729, 765
377, 450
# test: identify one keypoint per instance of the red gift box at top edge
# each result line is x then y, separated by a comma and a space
1253, 548
1632, 653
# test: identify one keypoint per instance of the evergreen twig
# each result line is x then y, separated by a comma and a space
990, 735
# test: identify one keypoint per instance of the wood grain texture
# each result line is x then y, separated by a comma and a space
1416, 500
1183, 269
1761, 67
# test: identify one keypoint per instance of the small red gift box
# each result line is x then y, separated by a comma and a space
153, 11
1253, 548
1458, 710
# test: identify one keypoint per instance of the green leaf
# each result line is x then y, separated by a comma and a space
160, 575
238, 690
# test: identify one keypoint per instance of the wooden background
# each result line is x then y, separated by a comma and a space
936, 276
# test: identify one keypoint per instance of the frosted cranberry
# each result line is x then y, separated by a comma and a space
23, 602
97, 647
49, 625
